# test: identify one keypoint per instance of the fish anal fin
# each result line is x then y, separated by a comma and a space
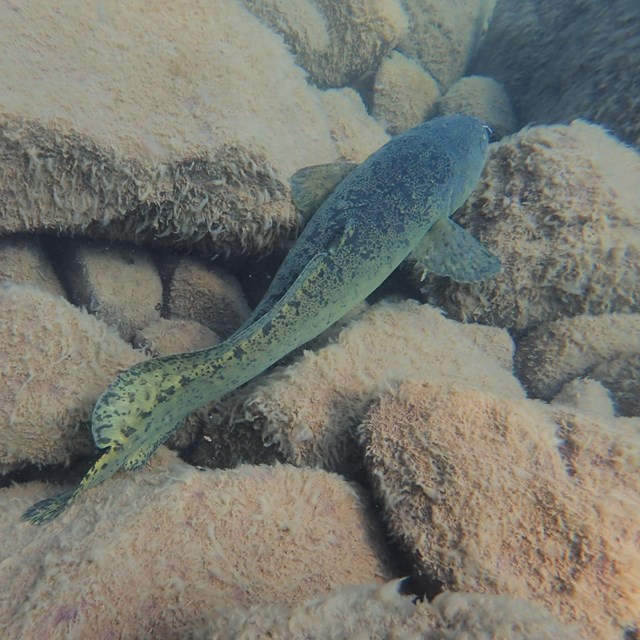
448, 250
138, 458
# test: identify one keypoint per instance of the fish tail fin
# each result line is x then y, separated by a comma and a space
49, 508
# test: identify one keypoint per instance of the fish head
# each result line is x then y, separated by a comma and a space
467, 140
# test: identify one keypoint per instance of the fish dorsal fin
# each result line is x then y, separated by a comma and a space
448, 250
311, 186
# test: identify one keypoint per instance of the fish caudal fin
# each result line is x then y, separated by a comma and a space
49, 508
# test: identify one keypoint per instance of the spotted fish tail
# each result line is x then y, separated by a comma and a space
48, 509
51, 508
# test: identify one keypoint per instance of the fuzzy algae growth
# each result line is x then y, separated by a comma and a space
396, 202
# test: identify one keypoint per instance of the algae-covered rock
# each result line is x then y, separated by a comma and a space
224, 200
118, 284
560, 206
56, 361
507, 496
404, 94
483, 98
24, 261
621, 376
355, 133
153, 554
338, 43
586, 396
379, 612
557, 352
444, 35
566, 60
207, 294
184, 136
306, 412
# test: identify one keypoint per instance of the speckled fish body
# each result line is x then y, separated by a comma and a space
369, 224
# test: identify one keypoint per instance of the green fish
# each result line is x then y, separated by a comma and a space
398, 201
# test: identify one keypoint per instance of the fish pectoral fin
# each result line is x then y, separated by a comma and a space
48, 509
448, 250
311, 186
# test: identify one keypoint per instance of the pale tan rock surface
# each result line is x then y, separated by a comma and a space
306, 412
374, 612
557, 352
179, 122
55, 361
560, 206
444, 35
564, 60
154, 553
338, 43
119, 284
165, 337
23, 261
483, 98
621, 376
500, 495
404, 94
355, 133
587, 396
205, 293
123, 61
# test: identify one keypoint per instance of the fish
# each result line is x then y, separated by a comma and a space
369, 218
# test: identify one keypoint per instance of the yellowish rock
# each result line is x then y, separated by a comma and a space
182, 136
118, 284
621, 376
355, 133
306, 412
155, 553
587, 396
443, 36
55, 360
205, 293
559, 64
23, 261
483, 98
507, 496
557, 352
404, 94
374, 612
559, 205
338, 43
